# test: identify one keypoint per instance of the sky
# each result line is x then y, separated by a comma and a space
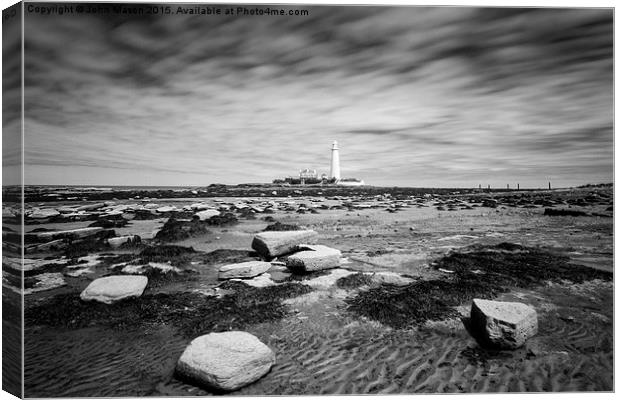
415, 96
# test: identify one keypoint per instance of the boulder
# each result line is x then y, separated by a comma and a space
272, 244
504, 325
225, 361
117, 242
112, 288
166, 209
247, 269
206, 214
313, 258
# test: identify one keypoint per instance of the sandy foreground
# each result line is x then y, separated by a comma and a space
322, 346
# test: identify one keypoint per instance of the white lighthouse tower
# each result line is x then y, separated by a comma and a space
335, 165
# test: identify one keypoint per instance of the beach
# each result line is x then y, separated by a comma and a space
346, 330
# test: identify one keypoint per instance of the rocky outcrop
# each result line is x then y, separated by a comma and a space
247, 269
113, 288
225, 361
273, 244
504, 325
313, 258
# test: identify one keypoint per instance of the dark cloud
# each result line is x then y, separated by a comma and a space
419, 96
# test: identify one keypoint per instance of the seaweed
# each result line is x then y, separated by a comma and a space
405, 306
509, 264
192, 313
175, 230
354, 281
478, 272
278, 226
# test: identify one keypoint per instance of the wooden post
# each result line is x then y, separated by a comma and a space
517, 186
508, 186
549, 185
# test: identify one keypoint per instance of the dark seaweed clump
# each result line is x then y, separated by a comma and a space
403, 306
112, 221
223, 219
354, 281
227, 256
565, 212
478, 272
193, 314
91, 244
175, 230
180, 256
278, 226
508, 264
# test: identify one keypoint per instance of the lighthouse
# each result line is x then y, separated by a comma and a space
335, 165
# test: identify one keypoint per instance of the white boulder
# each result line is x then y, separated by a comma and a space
505, 325
314, 258
243, 270
166, 209
206, 214
112, 288
225, 361
272, 244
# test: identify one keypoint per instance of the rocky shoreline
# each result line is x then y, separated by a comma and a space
375, 264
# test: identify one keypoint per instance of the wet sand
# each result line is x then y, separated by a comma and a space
323, 348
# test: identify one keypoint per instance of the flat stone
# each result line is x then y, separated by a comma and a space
40, 213
46, 281
391, 278
68, 234
225, 361
206, 214
112, 288
273, 244
505, 325
314, 258
247, 269
263, 280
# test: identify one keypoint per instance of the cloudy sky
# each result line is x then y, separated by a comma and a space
415, 96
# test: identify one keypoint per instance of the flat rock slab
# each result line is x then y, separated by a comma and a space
225, 361
113, 288
501, 324
390, 278
204, 215
273, 244
70, 234
314, 258
46, 281
262, 280
247, 269
40, 213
